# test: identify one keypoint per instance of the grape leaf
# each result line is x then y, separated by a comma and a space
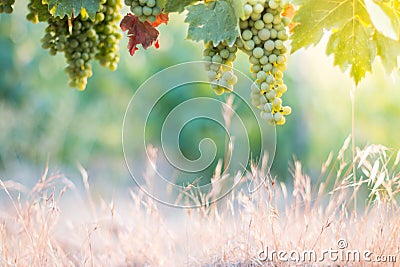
392, 9
388, 50
177, 5
162, 3
355, 42
353, 46
68, 7
314, 17
214, 22
238, 7
139, 33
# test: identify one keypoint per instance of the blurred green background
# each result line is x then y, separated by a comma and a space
42, 119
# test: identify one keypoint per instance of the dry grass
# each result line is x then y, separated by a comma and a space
35, 232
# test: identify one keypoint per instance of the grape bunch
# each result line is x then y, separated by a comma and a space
263, 36
219, 61
7, 6
107, 30
80, 48
144, 9
78, 43
81, 39
38, 12
56, 35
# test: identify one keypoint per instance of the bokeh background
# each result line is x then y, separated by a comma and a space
43, 120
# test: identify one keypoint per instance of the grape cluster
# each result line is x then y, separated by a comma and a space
38, 12
78, 43
80, 48
144, 9
107, 30
56, 35
81, 39
263, 33
7, 6
219, 66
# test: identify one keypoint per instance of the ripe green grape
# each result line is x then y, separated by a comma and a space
258, 52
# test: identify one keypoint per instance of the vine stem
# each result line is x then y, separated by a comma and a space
353, 143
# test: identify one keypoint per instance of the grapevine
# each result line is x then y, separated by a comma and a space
85, 31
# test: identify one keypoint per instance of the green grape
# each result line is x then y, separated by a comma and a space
258, 8
137, 10
264, 34
147, 11
269, 45
258, 52
268, 18
272, 58
286, 110
282, 35
247, 35
248, 9
249, 45
264, 60
224, 53
151, 3
279, 44
274, 33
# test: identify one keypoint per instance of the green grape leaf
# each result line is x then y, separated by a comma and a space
353, 46
238, 7
392, 9
161, 3
355, 41
388, 50
60, 8
214, 22
177, 5
314, 17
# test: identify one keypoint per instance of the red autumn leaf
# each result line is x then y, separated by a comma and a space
161, 18
139, 33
